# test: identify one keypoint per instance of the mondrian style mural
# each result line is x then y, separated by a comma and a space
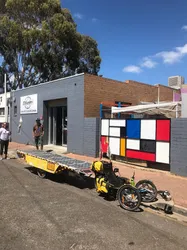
143, 139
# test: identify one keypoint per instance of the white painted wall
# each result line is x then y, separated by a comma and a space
2, 107
184, 101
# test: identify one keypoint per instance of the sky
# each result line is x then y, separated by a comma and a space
143, 40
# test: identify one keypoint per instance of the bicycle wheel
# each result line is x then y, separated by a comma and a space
147, 190
129, 197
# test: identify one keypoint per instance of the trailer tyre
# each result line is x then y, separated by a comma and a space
41, 173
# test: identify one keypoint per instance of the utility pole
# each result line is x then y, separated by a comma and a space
158, 101
6, 106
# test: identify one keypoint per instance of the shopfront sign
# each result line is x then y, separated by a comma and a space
29, 104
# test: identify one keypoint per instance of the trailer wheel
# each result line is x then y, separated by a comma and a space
41, 173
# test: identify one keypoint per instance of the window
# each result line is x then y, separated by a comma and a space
8, 110
2, 111
15, 110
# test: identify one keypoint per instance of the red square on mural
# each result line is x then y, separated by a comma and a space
104, 144
140, 155
163, 130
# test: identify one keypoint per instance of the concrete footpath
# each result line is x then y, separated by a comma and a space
163, 180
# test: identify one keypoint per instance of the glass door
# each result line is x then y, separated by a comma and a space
59, 126
64, 126
50, 125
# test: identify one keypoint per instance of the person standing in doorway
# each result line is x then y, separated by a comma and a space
4, 138
38, 133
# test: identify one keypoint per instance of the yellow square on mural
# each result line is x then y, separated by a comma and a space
122, 147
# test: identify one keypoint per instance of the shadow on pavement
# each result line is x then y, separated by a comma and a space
69, 178
78, 181
158, 166
139, 210
111, 199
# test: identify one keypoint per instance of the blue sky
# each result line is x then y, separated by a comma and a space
138, 40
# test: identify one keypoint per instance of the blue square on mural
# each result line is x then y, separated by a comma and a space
133, 129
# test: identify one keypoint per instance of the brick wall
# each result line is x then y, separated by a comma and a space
98, 89
150, 93
179, 146
166, 93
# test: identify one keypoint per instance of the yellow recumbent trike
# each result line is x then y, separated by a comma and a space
110, 184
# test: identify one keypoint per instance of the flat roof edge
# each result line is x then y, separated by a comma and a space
43, 83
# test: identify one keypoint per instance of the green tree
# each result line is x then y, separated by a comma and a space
39, 42
90, 59
1, 78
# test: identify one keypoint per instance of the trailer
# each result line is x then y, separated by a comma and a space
46, 162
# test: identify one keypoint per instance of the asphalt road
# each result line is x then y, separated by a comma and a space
53, 214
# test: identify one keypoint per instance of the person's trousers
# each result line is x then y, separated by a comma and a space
39, 140
4, 147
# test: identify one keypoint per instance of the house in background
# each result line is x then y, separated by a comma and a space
2, 108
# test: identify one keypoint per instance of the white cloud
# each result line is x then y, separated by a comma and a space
184, 27
78, 16
168, 57
132, 69
173, 56
148, 63
94, 19
182, 50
